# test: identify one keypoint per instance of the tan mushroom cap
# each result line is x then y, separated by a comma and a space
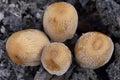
25, 47
56, 58
60, 21
93, 50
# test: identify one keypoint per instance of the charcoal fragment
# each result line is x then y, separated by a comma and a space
14, 23
71, 1
83, 2
109, 11
113, 69
1, 16
84, 74
117, 50
41, 74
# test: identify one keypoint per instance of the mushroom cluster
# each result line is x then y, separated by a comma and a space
32, 47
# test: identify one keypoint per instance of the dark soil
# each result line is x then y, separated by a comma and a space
94, 15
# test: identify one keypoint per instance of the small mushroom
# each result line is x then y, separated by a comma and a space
56, 58
25, 47
60, 21
93, 50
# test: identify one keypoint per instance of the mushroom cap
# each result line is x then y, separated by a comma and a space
93, 50
60, 21
56, 58
25, 47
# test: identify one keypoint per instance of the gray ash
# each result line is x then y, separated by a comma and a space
113, 69
83, 74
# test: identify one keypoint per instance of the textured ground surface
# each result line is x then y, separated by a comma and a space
94, 15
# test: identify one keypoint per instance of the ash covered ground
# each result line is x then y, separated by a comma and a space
94, 15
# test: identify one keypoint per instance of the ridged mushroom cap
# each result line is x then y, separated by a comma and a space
25, 47
60, 21
56, 58
93, 50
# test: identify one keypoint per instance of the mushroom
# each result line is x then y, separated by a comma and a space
60, 21
25, 47
93, 50
56, 58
